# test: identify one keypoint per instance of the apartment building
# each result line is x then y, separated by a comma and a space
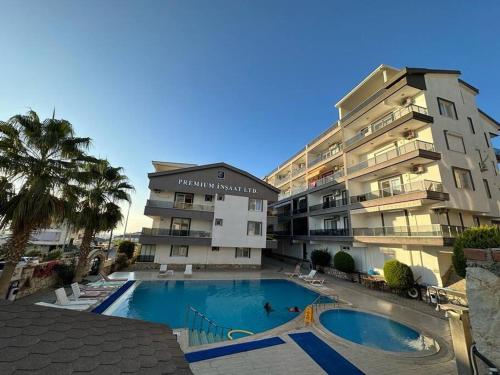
408, 165
211, 215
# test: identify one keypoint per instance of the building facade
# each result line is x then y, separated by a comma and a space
211, 215
407, 167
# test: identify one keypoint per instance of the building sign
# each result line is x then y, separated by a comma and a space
217, 186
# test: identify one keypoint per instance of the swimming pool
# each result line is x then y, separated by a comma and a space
375, 331
236, 304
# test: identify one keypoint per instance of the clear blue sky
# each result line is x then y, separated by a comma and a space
245, 82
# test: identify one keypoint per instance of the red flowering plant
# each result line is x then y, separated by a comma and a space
45, 269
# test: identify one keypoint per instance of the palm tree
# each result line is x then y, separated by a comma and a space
37, 161
102, 188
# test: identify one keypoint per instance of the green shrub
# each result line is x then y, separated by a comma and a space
398, 275
321, 258
121, 261
343, 262
33, 253
127, 247
65, 272
483, 237
53, 255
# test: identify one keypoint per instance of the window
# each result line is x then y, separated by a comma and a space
220, 175
487, 188
209, 198
486, 139
463, 178
477, 223
183, 200
218, 222
330, 223
147, 253
242, 252
471, 125
215, 248
180, 226
454, 142
179, 251
447, 108
255, 204
254, 228
391, 186
220, 197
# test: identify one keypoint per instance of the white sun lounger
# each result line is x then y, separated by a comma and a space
69, 307
308, 276
63, 300
164, 271
295, 273
315, 282
189, 270
86, 293
106, 278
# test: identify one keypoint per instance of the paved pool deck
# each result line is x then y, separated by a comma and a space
289, 358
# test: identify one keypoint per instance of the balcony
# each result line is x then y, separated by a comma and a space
178, 209
284, 195
414, 149
298, 171
175, 236
280, 180
325, 180
326, 206
280, 233
385, 121
298, 189
424, 235
424, 189
300, 210
325, 156
330, 232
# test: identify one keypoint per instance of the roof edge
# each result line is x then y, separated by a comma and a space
489, 117
468, 85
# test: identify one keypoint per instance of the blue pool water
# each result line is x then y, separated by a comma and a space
374, 331
236, 304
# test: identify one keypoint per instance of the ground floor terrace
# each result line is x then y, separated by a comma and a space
297, 348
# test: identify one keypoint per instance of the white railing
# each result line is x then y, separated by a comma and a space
409, 187
326, 155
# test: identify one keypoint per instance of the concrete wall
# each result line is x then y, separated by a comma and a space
204, 255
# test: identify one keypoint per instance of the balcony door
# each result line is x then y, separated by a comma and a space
184, 200
391, 186
180, 226
330, 223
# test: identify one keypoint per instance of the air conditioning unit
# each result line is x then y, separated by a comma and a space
418, 169
409, 134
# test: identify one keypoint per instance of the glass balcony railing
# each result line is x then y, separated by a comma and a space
175, 232
327, 179
330, 232
326, 155
284, 194
404, 149
384, 121
329, 204
180, 205
299, 210
410, 187
433, 230
283, 179
298, 189
298, 171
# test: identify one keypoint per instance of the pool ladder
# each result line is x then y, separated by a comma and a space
323, 301
201, 330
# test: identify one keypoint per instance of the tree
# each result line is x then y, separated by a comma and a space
321, 258
37, 162
127, 247
102, 188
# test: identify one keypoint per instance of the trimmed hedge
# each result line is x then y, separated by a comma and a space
482, 237
398, 275
343, 262
321, 258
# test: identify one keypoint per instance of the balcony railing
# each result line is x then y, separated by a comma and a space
284, 195
180, 205
298, 171
284, 179
410, 187
327, 179
175, 232
384, 121
329, 204
298, 189
281, 233
404, 149
433, 230
326, 155
330, 232
299, 210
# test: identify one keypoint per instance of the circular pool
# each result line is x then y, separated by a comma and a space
375, 331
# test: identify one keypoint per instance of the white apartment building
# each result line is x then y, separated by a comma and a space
408, 165
211, 215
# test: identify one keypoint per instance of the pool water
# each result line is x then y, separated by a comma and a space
236, 304
375, 331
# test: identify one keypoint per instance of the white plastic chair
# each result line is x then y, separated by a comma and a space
164, 271
189, 270
69, 307
309, 276
78, 293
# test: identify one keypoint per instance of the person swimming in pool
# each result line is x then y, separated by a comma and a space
268, 307
294, 309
